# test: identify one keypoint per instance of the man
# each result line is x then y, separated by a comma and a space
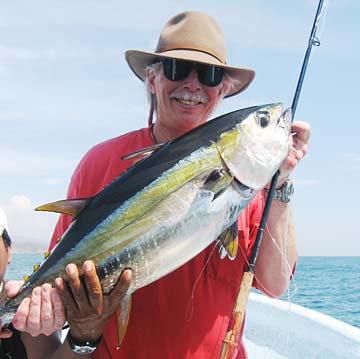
13, 344
10, 341
186, 313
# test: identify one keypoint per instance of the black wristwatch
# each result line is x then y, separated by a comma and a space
285, 192
86, 347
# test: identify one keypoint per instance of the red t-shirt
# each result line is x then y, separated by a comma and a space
185, 314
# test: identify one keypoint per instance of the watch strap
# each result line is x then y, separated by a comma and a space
284, 192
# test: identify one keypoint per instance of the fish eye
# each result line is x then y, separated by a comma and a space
263, 118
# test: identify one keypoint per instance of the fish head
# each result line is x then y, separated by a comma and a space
254, 149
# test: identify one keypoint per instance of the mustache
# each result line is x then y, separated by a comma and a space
187, 95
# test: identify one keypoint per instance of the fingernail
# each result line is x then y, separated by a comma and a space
88, 266
70, 269
45, 289
58, 283
36, 291
128, 273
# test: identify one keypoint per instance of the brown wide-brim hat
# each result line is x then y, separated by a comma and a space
191, 36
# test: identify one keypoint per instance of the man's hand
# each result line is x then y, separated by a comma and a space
87, 310
42, 313
298, 150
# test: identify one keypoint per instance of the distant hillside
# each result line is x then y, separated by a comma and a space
22, 244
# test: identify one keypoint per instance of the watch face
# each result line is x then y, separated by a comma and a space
86, 349
288, 191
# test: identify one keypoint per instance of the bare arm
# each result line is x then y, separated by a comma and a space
87, 309
87, 312
278, 250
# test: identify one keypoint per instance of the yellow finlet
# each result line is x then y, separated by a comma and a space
26, 278
46, 254
36, 267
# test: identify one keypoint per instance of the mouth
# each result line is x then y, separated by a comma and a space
189, 98
187, 102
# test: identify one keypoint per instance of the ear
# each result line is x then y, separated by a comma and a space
151, 80
9, 255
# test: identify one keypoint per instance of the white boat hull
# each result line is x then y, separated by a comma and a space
276, 329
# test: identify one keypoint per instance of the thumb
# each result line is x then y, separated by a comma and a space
13, 287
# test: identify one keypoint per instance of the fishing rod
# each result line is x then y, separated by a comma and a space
230, 342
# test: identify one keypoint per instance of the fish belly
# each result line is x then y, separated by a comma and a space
171, 234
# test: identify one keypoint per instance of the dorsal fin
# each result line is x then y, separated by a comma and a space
71, 207
142, 152
229, 242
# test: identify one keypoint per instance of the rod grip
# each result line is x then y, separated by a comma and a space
230, 342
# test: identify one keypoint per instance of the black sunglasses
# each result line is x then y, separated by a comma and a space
6, 238
177, 70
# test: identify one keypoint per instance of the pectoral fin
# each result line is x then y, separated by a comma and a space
142, 152
123, 315
218, 181
71, 207
228, 241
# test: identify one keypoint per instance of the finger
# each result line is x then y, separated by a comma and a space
77, 288
122, 286
302, 130
46, 311
13, 287
66, 296
59, 310
93, 286
33, 321
19, 320
5, 333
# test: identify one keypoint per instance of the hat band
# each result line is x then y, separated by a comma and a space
190, 50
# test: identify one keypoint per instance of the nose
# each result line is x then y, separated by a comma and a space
192, 81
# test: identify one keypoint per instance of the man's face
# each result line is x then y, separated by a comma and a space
5, 258
182, 105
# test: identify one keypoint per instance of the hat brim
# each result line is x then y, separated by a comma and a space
139, 60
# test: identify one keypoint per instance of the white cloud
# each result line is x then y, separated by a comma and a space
29, 230
19, 202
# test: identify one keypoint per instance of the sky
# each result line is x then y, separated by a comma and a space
65, 86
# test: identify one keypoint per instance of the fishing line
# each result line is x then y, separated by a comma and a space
233, 332
190, 306
253, 273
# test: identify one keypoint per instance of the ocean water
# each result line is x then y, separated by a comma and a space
330, 285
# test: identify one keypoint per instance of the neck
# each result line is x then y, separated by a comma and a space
163, 134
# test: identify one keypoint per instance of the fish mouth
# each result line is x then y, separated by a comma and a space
242, 188
284, 120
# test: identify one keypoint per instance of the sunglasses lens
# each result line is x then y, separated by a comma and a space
210, 75
176, 70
